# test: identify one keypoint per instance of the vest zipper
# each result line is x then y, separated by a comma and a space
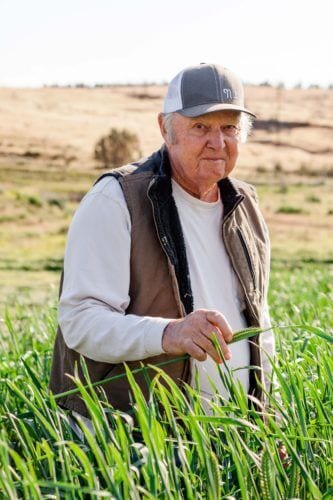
163, 245
247, 256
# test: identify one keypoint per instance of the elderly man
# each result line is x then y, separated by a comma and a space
165, 254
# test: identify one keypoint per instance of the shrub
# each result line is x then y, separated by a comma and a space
28, 199
34, 200
278, 168
117, 148
283, 189
261, 169
312, 198
286, 209
55, 202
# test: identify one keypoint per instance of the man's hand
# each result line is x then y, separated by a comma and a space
194, 333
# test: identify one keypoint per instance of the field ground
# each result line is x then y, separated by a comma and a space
59, 126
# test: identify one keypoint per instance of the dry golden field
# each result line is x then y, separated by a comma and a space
61, 125
47, 139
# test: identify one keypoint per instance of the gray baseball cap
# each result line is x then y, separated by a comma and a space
203, 89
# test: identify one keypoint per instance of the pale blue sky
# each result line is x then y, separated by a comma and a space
119, 41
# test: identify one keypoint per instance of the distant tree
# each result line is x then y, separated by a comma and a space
265, 84
117, 148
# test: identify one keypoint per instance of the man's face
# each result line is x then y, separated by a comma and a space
203, 150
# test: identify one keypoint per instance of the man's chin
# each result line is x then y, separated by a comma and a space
215, 175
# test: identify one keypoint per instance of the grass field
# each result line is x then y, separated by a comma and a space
171, 449
174, 450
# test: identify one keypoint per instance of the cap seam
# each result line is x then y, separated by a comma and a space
218, 87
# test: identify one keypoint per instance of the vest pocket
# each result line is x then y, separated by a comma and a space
248, 257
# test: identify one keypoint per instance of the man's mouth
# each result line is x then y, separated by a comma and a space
213, 159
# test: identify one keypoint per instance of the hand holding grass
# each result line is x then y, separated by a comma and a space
194, 335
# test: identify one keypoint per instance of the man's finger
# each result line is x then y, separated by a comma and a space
217, 319
216, 336
205, 339
195, 351
205, 343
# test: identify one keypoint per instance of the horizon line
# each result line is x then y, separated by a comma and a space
78, 85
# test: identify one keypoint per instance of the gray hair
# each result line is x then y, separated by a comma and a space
167, 122
245, 126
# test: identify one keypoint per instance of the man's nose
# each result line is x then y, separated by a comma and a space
216, 139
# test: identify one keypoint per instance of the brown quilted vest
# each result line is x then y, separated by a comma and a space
159, 284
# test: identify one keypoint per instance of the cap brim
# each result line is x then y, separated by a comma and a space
202, 109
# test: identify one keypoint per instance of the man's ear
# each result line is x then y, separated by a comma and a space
161, 125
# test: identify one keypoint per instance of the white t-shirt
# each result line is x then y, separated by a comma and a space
213, 282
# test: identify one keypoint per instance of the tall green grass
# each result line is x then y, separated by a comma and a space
171, 447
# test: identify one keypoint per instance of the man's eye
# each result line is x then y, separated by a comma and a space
199, 126
230, 130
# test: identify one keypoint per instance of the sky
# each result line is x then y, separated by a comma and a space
67, 42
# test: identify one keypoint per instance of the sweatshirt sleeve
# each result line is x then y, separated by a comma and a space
95, 291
